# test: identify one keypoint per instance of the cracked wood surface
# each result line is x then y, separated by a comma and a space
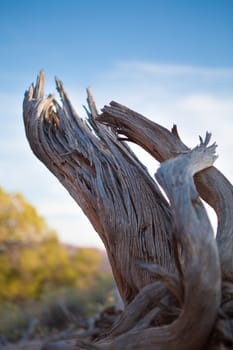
113, 188
164, 257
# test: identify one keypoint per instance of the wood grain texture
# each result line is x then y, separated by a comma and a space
113, 188
162, 144
201, 267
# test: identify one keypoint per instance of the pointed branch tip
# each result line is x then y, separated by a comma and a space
206, 140
39, 87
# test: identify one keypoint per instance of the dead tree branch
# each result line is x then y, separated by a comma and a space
174, 277
108, 182
162, 144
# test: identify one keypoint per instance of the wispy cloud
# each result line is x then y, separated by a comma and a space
174, 69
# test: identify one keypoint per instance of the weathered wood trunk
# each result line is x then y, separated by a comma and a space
174, 277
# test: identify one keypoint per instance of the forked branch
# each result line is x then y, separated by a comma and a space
162, 144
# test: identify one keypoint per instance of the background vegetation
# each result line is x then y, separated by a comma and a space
43, 280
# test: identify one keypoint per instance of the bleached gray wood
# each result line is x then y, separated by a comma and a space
162, 144
113, 188
201, 267
164, 257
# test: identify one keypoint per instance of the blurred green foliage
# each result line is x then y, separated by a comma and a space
36, 268
13, 321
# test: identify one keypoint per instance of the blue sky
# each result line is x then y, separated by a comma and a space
171, 60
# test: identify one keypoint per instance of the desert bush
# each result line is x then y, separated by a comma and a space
13, 322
